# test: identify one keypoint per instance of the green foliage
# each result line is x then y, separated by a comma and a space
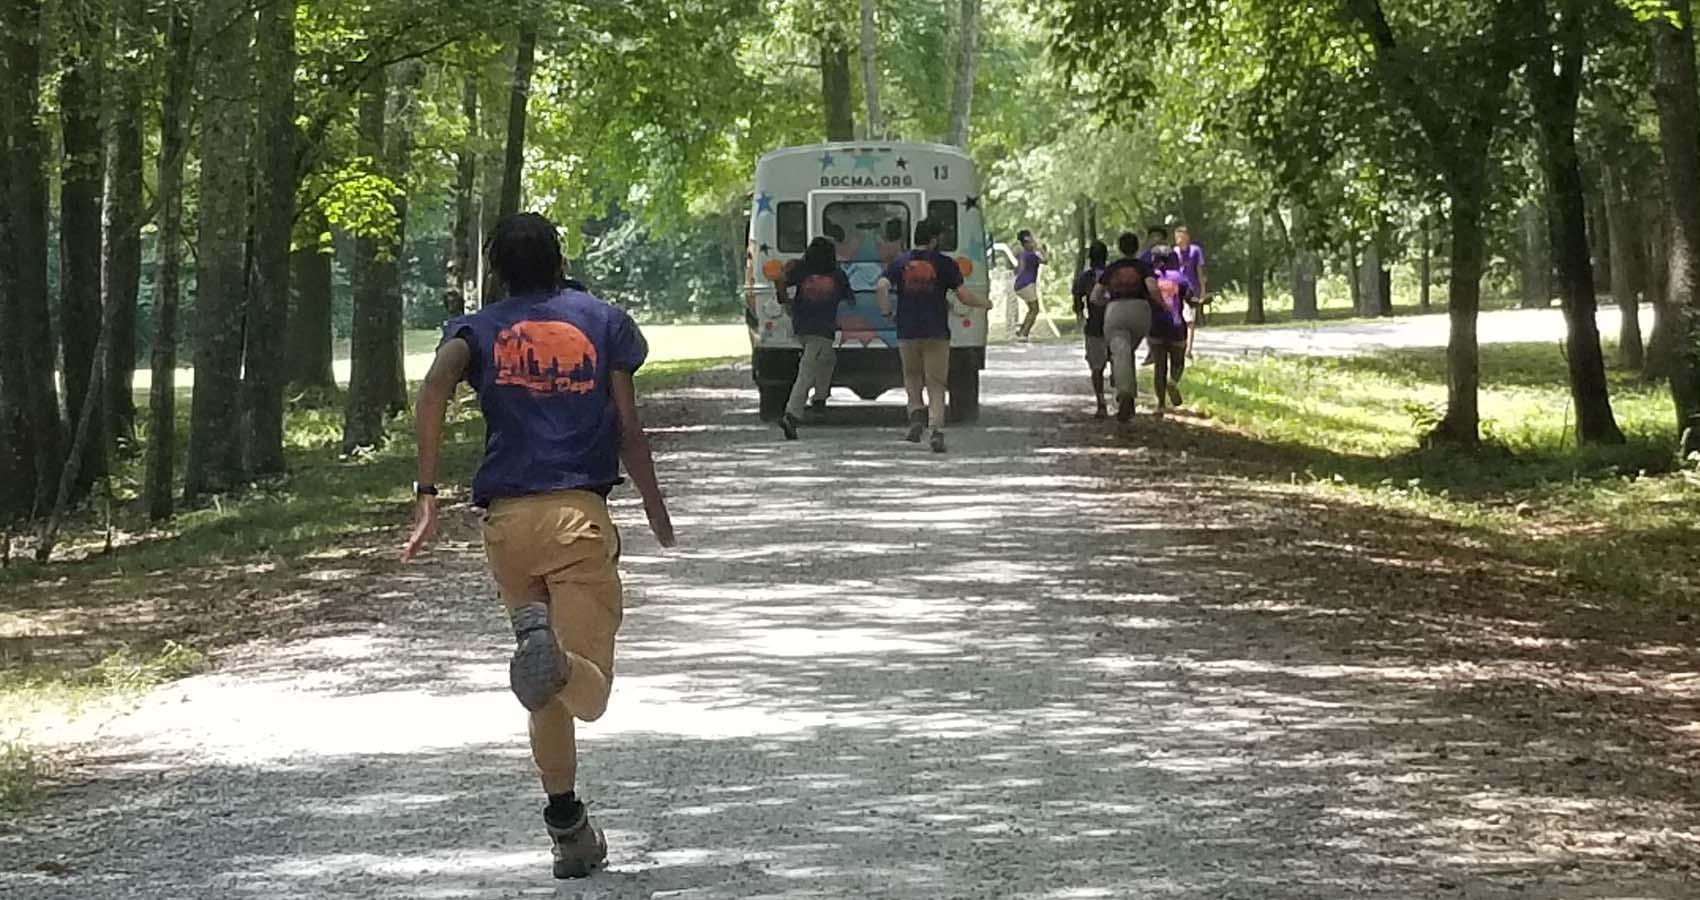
130, 669
19, 774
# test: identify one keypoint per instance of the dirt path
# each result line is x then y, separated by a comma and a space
1059, 662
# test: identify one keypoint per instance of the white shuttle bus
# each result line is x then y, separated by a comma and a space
867, 197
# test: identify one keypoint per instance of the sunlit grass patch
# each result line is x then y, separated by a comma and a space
1619, 518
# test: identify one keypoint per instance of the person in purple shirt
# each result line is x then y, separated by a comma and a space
1193, 269
1169, 329
552, 367
923, 280
1027, 281
1092, 321
813, 288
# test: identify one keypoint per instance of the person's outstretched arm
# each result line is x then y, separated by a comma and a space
969, 298
434, 395
639, 462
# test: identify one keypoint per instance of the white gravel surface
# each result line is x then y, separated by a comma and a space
870, 671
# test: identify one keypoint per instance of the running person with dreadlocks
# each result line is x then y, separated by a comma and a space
552, 368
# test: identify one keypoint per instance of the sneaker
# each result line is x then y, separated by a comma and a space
1175, 396
1102, 413
938, 441
818, 405
539, 669
1158, 412
917, 425
788, 425
1124, 409
579, 846
816, 411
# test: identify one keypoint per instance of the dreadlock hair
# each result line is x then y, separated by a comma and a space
525, 253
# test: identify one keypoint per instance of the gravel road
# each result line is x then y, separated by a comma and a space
1061, 661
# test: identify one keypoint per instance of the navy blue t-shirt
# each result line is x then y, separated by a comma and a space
923, 280
1082, 291
540, 366
815, 299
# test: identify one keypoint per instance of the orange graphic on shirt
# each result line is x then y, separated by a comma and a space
546, 358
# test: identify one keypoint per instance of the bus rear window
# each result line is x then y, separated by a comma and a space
793, 223
867, 230
943, 212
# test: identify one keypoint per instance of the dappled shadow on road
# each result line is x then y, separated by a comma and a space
1068, 659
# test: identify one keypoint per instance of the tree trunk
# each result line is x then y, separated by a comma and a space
173, 141
1620, 213
493, 125
1677, 93
1354, 276
266, 369
1305, 268
215, 415
1192, 207
121, 264
311, 343
27, 393
513, 163
835, 87
1537, 261
81, 179
1556, 92
1655, 220
371, 377
1425, 265
1081, 241
1596, 226
462, 277
1092, 220
870, 72
1461, 426
1370, 280
967, 59
398, 153
1256, 266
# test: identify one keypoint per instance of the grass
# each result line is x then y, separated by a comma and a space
1619, 519
20, 774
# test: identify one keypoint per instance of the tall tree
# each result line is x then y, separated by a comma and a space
513, 164
875, 123
403, 114
81, 180
1256, 267
1306, 266
967, 60
461, 282
1677, 93
1456, 93
835, 86
121, 266
1621, 213
371, 377
1536, 251
215, 416
265, 369
173, 143
1555, 86
28, 401
311, 336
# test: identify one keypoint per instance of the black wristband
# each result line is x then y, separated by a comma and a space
424, 490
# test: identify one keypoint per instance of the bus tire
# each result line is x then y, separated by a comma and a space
964, 395
773, 400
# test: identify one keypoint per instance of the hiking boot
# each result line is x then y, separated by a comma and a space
1124, 409
1175, 396
788, 425
917, 425
539, 669
579, 847
938, 441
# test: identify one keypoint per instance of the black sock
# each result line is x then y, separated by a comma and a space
563, 808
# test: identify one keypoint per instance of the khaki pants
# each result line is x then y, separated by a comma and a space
1126, 323
813, 370
926, 363
561, 549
